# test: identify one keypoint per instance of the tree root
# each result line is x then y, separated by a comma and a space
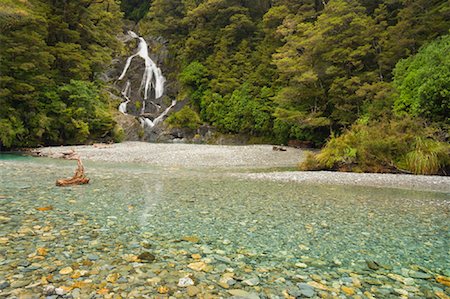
78, 178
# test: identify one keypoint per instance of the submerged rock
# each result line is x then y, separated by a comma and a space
146, 257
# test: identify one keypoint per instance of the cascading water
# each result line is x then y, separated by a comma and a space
152, 78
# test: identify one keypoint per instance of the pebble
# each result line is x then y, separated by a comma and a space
243, 294
198, 266
92, 257
251, 281
66, 270
60, 291
185, 282
4, 285
146, 257
192, 291
306, 290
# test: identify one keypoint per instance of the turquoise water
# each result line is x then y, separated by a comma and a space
280, 234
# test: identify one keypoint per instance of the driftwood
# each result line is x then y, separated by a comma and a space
78, 178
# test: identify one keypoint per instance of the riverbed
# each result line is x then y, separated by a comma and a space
154, 224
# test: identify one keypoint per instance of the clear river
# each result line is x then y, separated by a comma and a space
140, 231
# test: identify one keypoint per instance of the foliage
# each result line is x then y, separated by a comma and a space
185, 118
423, 82
44, 46
404, 144
427, 157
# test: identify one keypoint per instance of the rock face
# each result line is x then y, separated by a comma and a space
135, 91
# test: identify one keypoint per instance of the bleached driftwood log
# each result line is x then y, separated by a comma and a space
78, 178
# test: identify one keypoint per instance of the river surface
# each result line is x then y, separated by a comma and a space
228, 235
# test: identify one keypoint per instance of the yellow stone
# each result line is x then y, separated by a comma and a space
154, 280
192, 291
348, 290
317, 285
79, 285
103, 291
441, 295
41, 251
163, 290
76, 275
196, 256
66, 288
193, 239
369, 295
130, 257
443, 280
198, 266
112, 278
66, 270
356, 282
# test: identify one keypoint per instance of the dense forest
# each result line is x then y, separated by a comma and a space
367, 80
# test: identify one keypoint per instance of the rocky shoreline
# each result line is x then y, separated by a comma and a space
241, 157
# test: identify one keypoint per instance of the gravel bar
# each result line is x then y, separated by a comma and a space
401, 181
245, 156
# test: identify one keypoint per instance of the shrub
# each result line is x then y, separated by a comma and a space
396, 145
185, 118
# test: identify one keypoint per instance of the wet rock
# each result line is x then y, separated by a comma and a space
251, 281
243, 294
66, 270
4, 285
60, 291
20, 284
24, 263
198, 266
222, 259
306, 290
192, 291
185, 282
92, 257
419, 275
373, 265
146, 257
348, 290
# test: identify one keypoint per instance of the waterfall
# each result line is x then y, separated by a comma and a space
152, 78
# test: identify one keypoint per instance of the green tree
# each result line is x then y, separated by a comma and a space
423, 82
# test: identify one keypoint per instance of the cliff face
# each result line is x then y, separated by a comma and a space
139, 89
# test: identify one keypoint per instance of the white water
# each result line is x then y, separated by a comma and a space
126, 92
152, 78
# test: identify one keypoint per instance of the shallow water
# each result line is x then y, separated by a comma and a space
280, 233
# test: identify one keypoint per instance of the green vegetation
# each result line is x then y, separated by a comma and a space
310, 69
51, 54
185, 118
369, 79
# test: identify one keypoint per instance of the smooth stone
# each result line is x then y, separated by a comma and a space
198, 266
93, 257
20, 284
122, 280
306, 290
222, 259
185, 282
49, 290
66, 270
419, 275
24, 263
243, 294
4, 285
76, 293
60, 291
373, 265
348, 290
192, 291
146, 257
252, 281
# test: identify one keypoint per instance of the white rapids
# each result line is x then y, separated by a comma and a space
152, 78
